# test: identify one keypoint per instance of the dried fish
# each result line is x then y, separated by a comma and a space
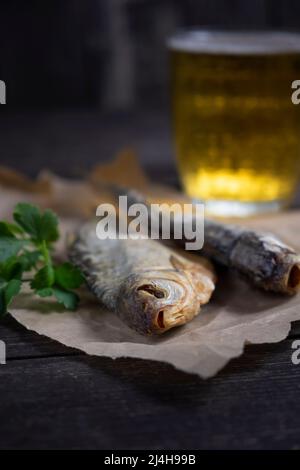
262, 258
151, 287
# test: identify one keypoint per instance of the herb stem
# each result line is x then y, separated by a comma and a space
45, 253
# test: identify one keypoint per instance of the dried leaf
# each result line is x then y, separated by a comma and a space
13, 179
124, 171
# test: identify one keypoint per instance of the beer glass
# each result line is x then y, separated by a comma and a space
237, 132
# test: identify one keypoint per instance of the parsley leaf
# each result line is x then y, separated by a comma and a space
40, 226
12, 288
46, 292
29, 259
25, 247
68, 298
28, 217
68, 276
9, 230
43, 278
8, 291
12, 268
49, 227
10, 246
3, 310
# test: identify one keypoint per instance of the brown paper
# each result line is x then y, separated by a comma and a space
237, 314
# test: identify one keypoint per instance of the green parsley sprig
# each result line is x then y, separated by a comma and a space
26, 246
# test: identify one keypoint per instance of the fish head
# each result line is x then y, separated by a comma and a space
155, 301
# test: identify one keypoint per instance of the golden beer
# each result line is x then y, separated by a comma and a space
237, 132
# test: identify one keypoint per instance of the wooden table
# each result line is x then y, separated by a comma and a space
56, 397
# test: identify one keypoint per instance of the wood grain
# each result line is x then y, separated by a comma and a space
85, 402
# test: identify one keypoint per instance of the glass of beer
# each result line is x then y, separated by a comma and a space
237, 132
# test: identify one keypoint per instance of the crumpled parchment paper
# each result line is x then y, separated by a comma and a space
237, 314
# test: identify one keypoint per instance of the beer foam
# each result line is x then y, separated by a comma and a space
235, 42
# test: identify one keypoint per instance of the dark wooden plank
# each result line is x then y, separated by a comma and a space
22, 343
85, 402
295, 330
